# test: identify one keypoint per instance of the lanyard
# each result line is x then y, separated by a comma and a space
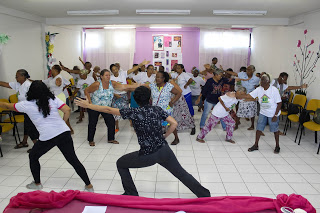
160, 95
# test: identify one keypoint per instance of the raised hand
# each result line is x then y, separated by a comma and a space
207, 66
82, 103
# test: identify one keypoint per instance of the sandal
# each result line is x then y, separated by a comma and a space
21, 145
230, 141
200, 140
277, 150
114, 142
251, 149
92, 143
250, 128
175, 142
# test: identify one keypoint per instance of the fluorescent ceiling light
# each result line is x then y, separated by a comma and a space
93, 12
243, 26
239, 13
162, 27
119, 27
163, 12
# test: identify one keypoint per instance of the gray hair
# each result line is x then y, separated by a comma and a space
266, 75
252, 67
242, 89
218, 72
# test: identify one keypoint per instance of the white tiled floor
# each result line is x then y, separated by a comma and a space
224, 168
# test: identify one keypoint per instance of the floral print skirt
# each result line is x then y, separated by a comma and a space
120, 103
247, 109
182, 115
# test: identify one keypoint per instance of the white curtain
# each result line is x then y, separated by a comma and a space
231, 47
107, 46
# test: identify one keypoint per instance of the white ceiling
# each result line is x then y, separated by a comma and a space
199, 8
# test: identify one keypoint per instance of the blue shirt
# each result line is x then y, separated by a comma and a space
251, 84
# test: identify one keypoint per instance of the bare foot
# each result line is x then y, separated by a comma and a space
262, 134
230, 141
79, 121
114, 142
200, 140
251, 128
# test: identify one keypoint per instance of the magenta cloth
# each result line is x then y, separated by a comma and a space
235, 204
190, 45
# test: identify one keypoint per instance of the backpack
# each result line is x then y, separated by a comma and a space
316, 117
304, 116
293, 109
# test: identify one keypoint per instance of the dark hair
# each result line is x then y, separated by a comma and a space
142, 95
87, 63
24, 73
112, 65
76, 68
103, 72
150, 65
182, 67
57, 67
283, 74
165, 75
230, 69
40, 92
214, 58
243, 69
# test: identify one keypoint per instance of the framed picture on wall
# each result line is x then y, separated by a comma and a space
158, 43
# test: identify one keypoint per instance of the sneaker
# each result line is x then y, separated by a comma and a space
193, 131
34, 186
86, 189
175, 142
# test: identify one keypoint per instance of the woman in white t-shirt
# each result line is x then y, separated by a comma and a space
42, 107
146, 77
221, 111
21, 86
120, 99
270, 109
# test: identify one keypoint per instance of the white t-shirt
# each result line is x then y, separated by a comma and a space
67, 76
132, 75
183, 78
48, 127
83, 84
143, 78
91, 73
268, 100
51, 83
196, 84
173, 74
219, 111
278, 86
21, 89
122, 79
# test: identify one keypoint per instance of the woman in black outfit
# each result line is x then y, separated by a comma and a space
154, 148
42, 107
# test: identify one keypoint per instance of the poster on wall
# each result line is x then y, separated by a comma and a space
167, 51
158, 43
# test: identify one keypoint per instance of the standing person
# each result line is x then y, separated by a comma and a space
247, 109
21, 86
221, 111
196, 86
96, 73
161, 93
179, 111
102, 92
42, 107
84, 82
120, 98
229, 82
270, 101
56, 84
146, 77
153, 147
212, 91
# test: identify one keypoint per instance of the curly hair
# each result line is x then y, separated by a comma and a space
142, 95
40, 92
165, 75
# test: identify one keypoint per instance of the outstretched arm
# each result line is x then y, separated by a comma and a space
9, 106
303, 86
125, 87
81, 60
5, 84
106, 109
137, 67
68, 70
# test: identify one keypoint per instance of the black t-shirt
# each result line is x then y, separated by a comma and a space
212, 90
147, 122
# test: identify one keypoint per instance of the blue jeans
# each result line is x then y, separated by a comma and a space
207, 109
263, 120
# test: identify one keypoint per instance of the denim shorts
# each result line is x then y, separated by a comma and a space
263, 120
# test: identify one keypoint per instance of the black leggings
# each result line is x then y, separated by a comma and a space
30, 129
93, 120
65, 143
166, 158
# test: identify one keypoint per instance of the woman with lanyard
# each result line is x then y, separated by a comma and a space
22, 87
56, 84
120, 98
182, 107
42, 107
102, 92
161, 94
153, 146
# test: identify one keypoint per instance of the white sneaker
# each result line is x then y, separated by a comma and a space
34, 186
86, 189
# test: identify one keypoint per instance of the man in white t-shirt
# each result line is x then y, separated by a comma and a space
196, 86
270, 109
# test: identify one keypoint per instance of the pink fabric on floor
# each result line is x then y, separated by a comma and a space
235, 204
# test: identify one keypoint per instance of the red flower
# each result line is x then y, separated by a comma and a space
305, 31
309, 51
295, 56
299, 43
312, 42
